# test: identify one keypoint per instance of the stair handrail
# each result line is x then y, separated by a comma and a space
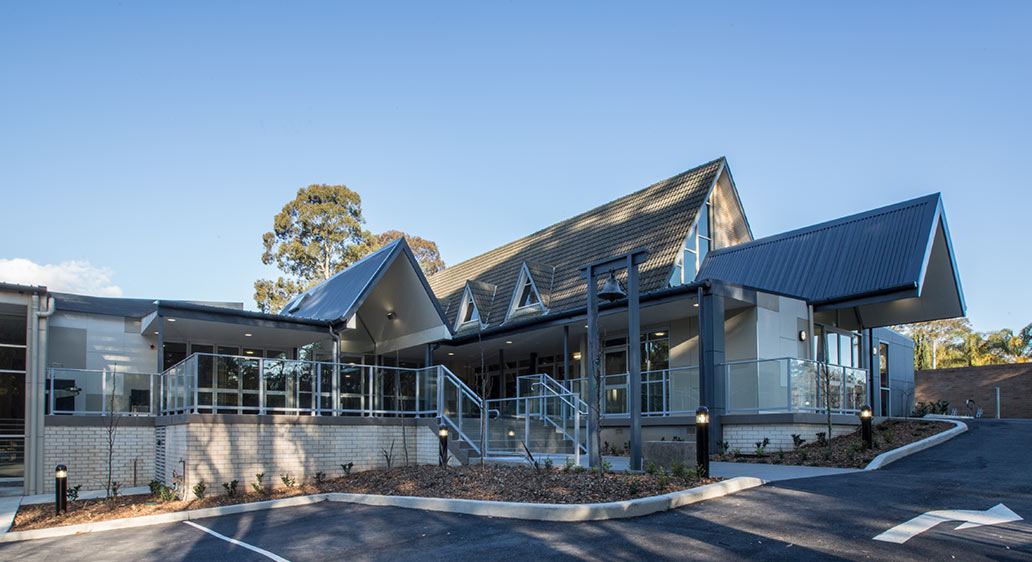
546, 382
444, 374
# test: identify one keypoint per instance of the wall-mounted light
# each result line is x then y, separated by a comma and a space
802, 335
450, 353
247, 335
576, 356
171, 319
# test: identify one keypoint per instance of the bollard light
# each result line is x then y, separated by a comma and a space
60, 489
442, 436
866, 417
702, 440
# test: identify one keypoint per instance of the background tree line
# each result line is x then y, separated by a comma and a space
319, 233
953, 343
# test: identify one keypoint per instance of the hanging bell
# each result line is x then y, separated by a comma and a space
611, 290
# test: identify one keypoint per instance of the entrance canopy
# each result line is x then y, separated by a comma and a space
885, 267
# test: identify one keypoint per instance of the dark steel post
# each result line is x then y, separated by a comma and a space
634, 361
60, 489
702, 440
594, 455
866, 416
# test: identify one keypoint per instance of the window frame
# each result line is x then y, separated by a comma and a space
464, 304
522, 280
691, 246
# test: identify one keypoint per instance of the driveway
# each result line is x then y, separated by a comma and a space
825, 518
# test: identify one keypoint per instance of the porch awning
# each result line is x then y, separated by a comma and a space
889, 266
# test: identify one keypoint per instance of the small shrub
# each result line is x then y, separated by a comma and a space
199, 489
258, 486
723, 447
663, 480
167, 494
605, 466
803, 455
651, 468
155, 487
388, 455
287, 480
797, 440
677, 439
230, 488
73, 493
633, 487
735, 453
569, 464
346, 468
548, 464
115, 488
320, 477
888, 435
822, 438
579, 469
679, 470
780, 457
761, 447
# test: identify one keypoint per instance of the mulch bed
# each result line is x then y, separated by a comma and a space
491, 482
847, 451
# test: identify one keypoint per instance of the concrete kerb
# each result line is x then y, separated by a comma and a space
894, 455
509, 510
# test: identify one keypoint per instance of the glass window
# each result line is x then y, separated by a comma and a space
470, 312
704, 221
12, 358
174, 353
883, 364
831, 346
12, 329
527, 296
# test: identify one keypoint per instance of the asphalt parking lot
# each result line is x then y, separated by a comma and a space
826, 518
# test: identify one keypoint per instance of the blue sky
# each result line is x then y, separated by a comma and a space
156, 142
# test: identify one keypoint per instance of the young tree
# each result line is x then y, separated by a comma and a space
112, 427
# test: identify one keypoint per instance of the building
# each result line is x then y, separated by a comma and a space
768, 333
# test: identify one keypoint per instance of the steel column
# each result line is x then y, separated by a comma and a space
634, 361
594, 400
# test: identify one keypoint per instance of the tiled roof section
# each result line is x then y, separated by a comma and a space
656, 218
879, 250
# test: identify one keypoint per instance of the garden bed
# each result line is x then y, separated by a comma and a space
847, 451
491, 482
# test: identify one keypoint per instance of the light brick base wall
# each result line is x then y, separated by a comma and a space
745, 436
84, 451
219, 453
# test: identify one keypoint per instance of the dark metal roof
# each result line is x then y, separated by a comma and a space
127, 307
657, 217
333, 298
339, 297
878, 252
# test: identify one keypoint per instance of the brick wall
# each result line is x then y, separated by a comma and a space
84, 449
745, 436
219, 452
978, 384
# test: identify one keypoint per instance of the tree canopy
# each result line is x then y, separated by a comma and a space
319, 233
953, 343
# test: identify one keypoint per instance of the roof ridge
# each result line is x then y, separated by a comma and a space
584, 213
822, 226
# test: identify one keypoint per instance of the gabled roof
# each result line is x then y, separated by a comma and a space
880, 255
339, 297
657, 218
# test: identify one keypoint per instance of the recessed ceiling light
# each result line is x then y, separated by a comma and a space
171, 319
695, 304
508, 341
155, 333
247, 335
450, 353
249, 352
659, 334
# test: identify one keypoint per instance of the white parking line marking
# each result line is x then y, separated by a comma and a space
239, 543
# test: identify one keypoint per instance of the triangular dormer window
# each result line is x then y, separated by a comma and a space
468, 311
526, 296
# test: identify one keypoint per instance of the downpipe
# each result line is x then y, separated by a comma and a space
36, 429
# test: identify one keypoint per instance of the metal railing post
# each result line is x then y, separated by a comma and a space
52, 402
526, 423
103, 393
788, 386
440, 392
576, 434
